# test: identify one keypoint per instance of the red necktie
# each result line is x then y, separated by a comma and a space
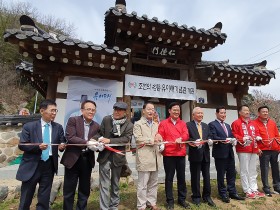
224, 127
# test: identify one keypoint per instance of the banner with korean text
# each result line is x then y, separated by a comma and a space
160, 88
102, 92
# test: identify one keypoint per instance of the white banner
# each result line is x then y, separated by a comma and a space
102, 92
160, 88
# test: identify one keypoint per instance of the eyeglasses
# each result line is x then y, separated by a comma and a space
90, 110
53, 111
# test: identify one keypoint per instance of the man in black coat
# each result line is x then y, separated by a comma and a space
199, 157
224, 156
40, 160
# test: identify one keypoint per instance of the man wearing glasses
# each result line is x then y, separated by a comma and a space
79, 160
40, 159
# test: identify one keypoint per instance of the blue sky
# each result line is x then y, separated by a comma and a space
252, 26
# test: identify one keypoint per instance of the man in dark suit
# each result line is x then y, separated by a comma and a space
79, 160
39, 161
224, 156
199, 157
114, 129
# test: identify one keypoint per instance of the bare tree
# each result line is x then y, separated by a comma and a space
12, 94
257, 98
13, 90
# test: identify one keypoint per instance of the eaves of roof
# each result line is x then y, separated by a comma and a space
247, 74
152, 30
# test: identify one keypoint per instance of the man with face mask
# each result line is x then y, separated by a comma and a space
247, 149
114, 129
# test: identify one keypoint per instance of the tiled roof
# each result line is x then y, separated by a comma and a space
26, 71
251, 74
152, 29
73, 51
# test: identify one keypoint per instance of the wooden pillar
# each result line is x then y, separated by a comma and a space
127, 99
51, 73
238, 94
52, 87
191, 77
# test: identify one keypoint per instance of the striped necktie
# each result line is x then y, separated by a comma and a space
224, 127
46, 138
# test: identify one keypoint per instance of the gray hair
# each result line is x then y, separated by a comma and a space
195, 109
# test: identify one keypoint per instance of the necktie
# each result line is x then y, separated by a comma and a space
199, 130
224, 127
46, 139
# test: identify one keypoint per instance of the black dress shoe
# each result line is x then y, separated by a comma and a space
170, 206
196, 201
268, 194
184, 204
225, 199
209, 201
236, 197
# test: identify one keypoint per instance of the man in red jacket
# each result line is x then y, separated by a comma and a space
174, 130
247, 150
269, 147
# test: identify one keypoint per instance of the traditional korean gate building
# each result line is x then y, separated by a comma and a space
161, 53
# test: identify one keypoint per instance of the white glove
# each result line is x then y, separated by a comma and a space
233, 141
100, 146
258, 138
210, 142
161, 147
197, 143
228, 140
247, 140
92, 146
278, 159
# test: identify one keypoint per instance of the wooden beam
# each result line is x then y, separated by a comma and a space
159, 64
61, 95
213, 106
46, 67
214, 86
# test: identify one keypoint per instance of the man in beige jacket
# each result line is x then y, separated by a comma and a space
148, 158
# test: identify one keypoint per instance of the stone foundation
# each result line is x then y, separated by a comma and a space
9, 139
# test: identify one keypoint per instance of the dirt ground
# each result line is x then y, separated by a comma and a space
128, 199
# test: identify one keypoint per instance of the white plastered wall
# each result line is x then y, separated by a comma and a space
186, 111
62, 87
201, 94
209, 115
231, 100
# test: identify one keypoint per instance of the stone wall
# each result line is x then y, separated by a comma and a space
9, 139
